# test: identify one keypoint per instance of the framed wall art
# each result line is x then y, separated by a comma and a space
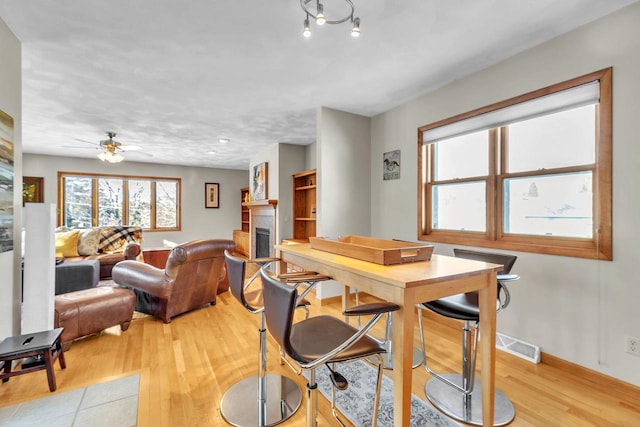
391, 165
32, 189
259, 183
6, 182
211, 195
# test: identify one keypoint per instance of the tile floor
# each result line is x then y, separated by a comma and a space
109, 404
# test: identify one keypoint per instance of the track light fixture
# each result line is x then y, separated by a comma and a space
315, 10
307, 31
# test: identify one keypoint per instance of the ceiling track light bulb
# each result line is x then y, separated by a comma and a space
307, 31
355, 31
320, 19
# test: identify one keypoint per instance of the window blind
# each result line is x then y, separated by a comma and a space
578, 96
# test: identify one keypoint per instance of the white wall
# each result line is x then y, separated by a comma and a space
197, 221
11, 103
292, 161
310, 156
576, 309
344, 187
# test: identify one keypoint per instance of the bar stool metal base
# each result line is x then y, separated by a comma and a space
451, 402
239, 405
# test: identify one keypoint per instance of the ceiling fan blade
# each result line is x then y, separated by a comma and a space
80, 147
130, 147
138, 153
84, 140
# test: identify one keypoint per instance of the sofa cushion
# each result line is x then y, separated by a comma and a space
88, 241
67, 244
115, 238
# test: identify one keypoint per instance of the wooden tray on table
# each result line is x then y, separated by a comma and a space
379, 251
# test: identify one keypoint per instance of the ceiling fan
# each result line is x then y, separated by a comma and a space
110, 149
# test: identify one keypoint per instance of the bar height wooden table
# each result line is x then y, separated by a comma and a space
45, 344
407, 285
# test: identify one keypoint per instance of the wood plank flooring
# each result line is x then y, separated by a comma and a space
186, 366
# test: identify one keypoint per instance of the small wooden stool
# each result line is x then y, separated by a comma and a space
44, 344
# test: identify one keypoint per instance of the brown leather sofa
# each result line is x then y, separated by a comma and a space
107, 261
192, 277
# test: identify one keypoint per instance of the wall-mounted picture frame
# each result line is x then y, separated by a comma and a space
6, 182
32, 189
211, 195
391, 165
259, 184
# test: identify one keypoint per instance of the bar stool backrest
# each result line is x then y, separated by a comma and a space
236, 269
505, 260
279, 307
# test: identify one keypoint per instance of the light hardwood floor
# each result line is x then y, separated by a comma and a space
187, 365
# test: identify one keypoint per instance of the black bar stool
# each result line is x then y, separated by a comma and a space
265, 399
460, 395
320, 340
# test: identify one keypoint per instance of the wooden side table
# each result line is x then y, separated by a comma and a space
156, 256
44, 344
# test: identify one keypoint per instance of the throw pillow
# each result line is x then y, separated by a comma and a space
67, 244
115, 238
88, 241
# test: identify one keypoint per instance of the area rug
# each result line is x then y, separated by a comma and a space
109, 404
356, 403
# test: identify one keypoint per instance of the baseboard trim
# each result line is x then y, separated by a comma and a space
602, 380
597, 378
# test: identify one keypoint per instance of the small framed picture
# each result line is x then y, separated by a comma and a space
391, 165
211, 195
32, 189
259, 182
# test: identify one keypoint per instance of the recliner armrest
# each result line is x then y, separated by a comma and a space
145, 277
371, 308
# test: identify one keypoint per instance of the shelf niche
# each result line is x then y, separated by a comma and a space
304, 205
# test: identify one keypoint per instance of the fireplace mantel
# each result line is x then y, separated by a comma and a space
260, 203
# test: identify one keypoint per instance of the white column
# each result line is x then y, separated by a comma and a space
39, 267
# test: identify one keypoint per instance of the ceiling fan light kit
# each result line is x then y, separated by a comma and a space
315, 10
110, 150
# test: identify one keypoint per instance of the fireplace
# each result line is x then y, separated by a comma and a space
262, 228
262, 242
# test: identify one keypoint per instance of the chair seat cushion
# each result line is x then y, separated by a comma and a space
314, 337
460, 306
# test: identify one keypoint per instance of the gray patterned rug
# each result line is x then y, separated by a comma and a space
356, 403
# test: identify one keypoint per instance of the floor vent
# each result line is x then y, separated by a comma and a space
518, 348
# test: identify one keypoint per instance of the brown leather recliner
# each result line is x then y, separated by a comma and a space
191, 278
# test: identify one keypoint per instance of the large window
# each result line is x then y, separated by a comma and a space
532, 173
99, 200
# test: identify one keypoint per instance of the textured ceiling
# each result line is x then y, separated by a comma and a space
173, 77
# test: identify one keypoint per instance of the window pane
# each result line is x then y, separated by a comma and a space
552, 205
459, 206
166, 204
140, 203
462, 157
558, 140
109, 202
77, 203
